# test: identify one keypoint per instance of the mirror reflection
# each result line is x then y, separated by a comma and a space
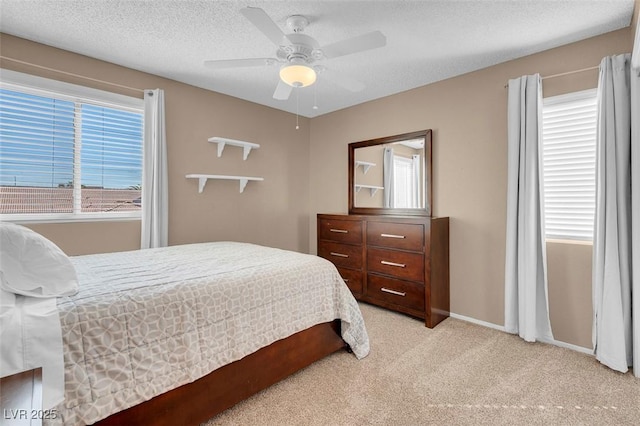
391, 175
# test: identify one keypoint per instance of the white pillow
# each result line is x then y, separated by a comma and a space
32, 265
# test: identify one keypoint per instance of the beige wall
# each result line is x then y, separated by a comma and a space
274, 212
469, 121
570, 307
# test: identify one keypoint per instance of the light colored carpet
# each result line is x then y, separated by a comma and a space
455, 374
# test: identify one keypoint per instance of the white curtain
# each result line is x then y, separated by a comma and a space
155, 194
635, 209
416, 166
612, 328
387, 172
526, 299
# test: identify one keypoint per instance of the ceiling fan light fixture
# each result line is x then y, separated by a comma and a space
298, 75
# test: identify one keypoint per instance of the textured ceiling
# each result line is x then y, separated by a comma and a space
427, 40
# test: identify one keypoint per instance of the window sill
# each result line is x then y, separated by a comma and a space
69, 218
575, 242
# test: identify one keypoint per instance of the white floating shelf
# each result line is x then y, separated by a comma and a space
246, 146
202, 180
365, 165
372, 188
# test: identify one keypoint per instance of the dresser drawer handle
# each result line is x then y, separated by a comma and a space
397, 293
340, 231
339, 254
399, 265
392, 236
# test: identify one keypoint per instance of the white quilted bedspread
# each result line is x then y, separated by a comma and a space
148, 321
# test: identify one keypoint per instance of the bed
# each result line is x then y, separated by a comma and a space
176, 335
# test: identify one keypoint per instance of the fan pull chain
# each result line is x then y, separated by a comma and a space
315, 96
297, 106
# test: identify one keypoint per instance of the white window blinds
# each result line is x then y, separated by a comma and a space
65, 157
569, 158
111, 158
36, 153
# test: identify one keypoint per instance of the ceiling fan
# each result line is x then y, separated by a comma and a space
298, 53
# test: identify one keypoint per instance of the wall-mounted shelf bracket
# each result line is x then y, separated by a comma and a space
372, 188
246, 146
365, 165
202, 180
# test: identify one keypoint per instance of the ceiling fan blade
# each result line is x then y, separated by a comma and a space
239, 63
357, 44
343, 81
264, 23
283, 91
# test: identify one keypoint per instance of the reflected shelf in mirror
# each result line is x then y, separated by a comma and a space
372, 188
365, 165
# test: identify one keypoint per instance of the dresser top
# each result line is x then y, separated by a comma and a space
381, 218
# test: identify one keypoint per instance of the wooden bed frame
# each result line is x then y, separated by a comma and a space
199, 401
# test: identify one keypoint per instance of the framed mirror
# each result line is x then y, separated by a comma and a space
391, 175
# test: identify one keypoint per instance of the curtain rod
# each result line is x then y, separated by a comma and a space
571, 72
566, 73
135, 89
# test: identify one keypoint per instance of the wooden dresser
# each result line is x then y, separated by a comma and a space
400, 263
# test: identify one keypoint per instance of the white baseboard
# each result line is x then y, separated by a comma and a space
477, 321
558, 343
566, 345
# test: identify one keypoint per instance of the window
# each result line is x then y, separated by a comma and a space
68, 152
405, 183
569, 165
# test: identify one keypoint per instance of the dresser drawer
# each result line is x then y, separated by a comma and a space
353, 279
407, 294
346, 255
405, 236
399, 264
343, 231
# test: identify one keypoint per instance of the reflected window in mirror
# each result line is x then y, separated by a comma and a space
402, 174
